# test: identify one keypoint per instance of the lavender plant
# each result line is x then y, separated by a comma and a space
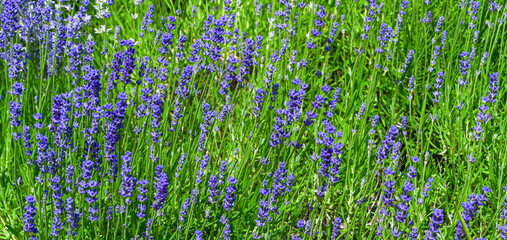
230, 119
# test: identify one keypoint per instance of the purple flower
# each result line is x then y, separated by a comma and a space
230, 195
403, 208
439, 23
213, 189
73, 217
227, 232
388, 197
56, 226
464, 64
198, 235
161, 185
387, 144
336, 228
407, 61
183, 212
436, 53
470, 210
503, 231
26, 140
185, 77
157, 107
396, 233
17, 89
438, 84
128, 182
258, 100
493, 87
91, 198
311, 45
208, 117
113, 127
361, 111
142, 197
414, 234
116, 67
181, 162
427, 187
436, 222
412, 172
433, 117
15, 110
29, 217
380, 229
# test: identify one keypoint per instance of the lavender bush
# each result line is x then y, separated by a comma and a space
253, 119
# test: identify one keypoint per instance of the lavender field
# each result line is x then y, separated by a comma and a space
253, 119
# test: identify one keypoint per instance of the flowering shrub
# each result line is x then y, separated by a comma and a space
252, 120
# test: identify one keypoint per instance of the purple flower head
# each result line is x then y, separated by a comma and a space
161, 185
29, 216
198, 235
128, 183
387, 144
336, 228
17, 89
213, 189
184, 207
414, 234
493, 87
427, 187
230, 195
436, 222
361, 111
